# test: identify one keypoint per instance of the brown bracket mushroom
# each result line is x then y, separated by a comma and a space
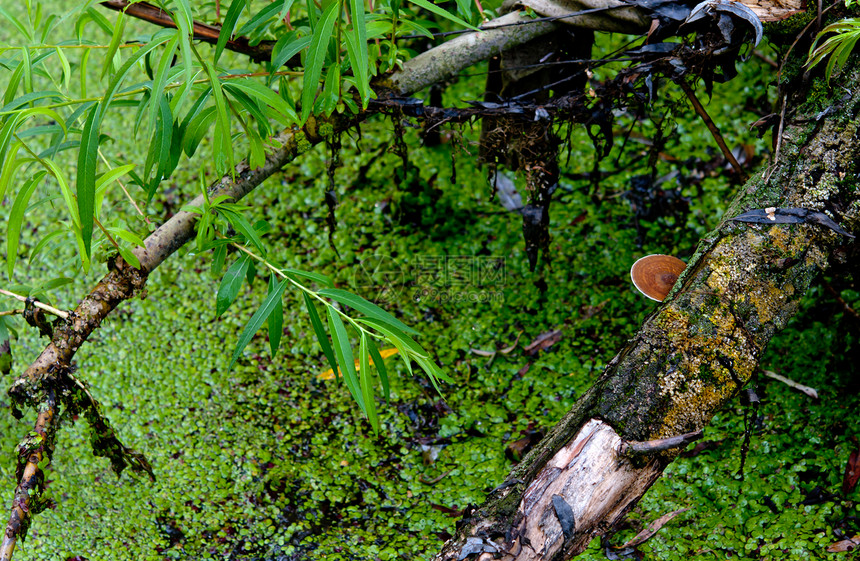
655, 275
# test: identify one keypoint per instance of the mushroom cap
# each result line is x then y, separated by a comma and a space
655, 275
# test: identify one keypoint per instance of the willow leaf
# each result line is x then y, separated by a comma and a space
86, 181
16, 217
276, 319
257, 320
316, 57
319, 330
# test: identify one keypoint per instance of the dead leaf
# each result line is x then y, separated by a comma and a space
543, 341
519, 448
652, 528
384, 353
504, 351
844, 545
852, 472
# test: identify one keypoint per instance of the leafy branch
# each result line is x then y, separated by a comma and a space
374, 325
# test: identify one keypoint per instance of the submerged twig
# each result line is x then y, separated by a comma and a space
811, 392
648, 447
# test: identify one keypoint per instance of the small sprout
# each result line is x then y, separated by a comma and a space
655, 275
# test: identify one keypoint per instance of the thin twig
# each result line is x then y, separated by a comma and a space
715, 132
11, 313
124, 190
41, 306
848, 309
649, 447
106, 233
811, 392
778, 141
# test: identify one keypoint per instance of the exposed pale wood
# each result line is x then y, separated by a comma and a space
593, 479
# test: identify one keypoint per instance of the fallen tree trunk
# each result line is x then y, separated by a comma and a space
689, 358
633, 399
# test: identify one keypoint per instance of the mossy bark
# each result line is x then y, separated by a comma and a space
690, 357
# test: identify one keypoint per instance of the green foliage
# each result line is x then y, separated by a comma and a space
179, 104
838, 46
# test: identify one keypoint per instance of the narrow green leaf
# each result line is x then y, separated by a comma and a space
359, 304
39, 247
257, 156
112, 175
316, 57
241, 225
86, 181
331, 90
219, 255
318, 277
263, 16
159, 80
160, 37
196, 130
260, 92
228, 27
16, 23
379, 363
286, 48
443, 13
102, 183
28, 70
359, 32
30, 98
223, 141
130, 237
128, 256
417, 28
230, 284
12, 85
10, 166
82, 72
67, 69
343, 351
257, 320
366, 380
116, 39
319, 330
16, 217
100, 20
276, 320
163, 138
252, 107
184, 19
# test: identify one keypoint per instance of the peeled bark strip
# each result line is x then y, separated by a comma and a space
689, 358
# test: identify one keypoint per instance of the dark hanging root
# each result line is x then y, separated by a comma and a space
400, 144
334, 145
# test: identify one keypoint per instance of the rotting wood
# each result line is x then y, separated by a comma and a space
695, 352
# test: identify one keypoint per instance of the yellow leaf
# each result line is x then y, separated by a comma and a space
329, 374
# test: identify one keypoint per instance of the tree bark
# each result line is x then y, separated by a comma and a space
690, 357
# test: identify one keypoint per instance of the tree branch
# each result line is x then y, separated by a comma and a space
261, 52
